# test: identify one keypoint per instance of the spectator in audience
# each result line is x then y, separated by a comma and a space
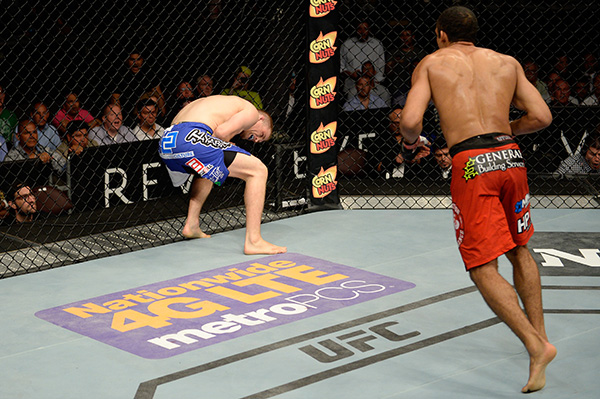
72, 111
581, 91
136, 81
4, 205
443, 159
364, 98
23, 202
3, 148
562, 67
292, 95
388, 155
295, 118
561, 95
48, 137
594, 98
204, 86
240, 87
399, 96
147, 129
357, 50
403, 59
531, 73
589, 68
553, 77
378, 89
27, 146
8, 119
184, 95
111, 130
585, 162
76, 140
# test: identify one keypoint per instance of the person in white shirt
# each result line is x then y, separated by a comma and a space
147, 129
112, 131
357, 50
594, 99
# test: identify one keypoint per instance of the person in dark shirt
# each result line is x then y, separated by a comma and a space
132, 83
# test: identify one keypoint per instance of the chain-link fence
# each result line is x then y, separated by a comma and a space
93, 194
557, 44
100, 188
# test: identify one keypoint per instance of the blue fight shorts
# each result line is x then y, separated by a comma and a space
189, 147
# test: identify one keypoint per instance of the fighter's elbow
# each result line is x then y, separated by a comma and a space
410, 126
540, 120
545, 119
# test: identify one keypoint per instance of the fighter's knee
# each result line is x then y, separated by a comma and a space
262, 171
516, 251
480, 272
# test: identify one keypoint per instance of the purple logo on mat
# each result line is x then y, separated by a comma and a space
176, 316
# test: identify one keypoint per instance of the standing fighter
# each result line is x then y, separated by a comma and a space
473, 89
198, 144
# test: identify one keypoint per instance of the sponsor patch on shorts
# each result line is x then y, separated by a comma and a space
198, 166
492, 161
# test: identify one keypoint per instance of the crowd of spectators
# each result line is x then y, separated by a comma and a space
376, 77
137, 108
372, 76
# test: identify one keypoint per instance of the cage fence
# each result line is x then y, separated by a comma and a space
72, 192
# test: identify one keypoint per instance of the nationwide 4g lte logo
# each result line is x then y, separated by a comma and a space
324, 183
323, 93
176, 316
320, 8
323, 138
321, 49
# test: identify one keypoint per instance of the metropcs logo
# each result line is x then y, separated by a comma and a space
176, 316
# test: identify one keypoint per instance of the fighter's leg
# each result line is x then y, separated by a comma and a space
254, 173
502, 299
198, 194
528, 286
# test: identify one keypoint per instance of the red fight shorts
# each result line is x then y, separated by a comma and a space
490, 197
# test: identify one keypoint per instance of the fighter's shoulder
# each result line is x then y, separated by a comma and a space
427, 61
437, 57
505, 58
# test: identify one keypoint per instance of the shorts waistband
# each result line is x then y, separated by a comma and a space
192, 125
487, 140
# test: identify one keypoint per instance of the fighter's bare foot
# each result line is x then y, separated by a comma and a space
190, 232
537, 368
262, 247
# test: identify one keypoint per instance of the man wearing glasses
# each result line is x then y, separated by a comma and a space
23, 203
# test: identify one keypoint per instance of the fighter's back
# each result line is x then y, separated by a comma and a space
472, 89
213, 110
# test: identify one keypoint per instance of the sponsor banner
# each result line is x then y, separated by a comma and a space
322, 48
171, 317
110, 175
324, 182
323, 93
322, 139
323, 69
321, 8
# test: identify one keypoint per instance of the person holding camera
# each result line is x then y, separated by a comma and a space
241, 87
